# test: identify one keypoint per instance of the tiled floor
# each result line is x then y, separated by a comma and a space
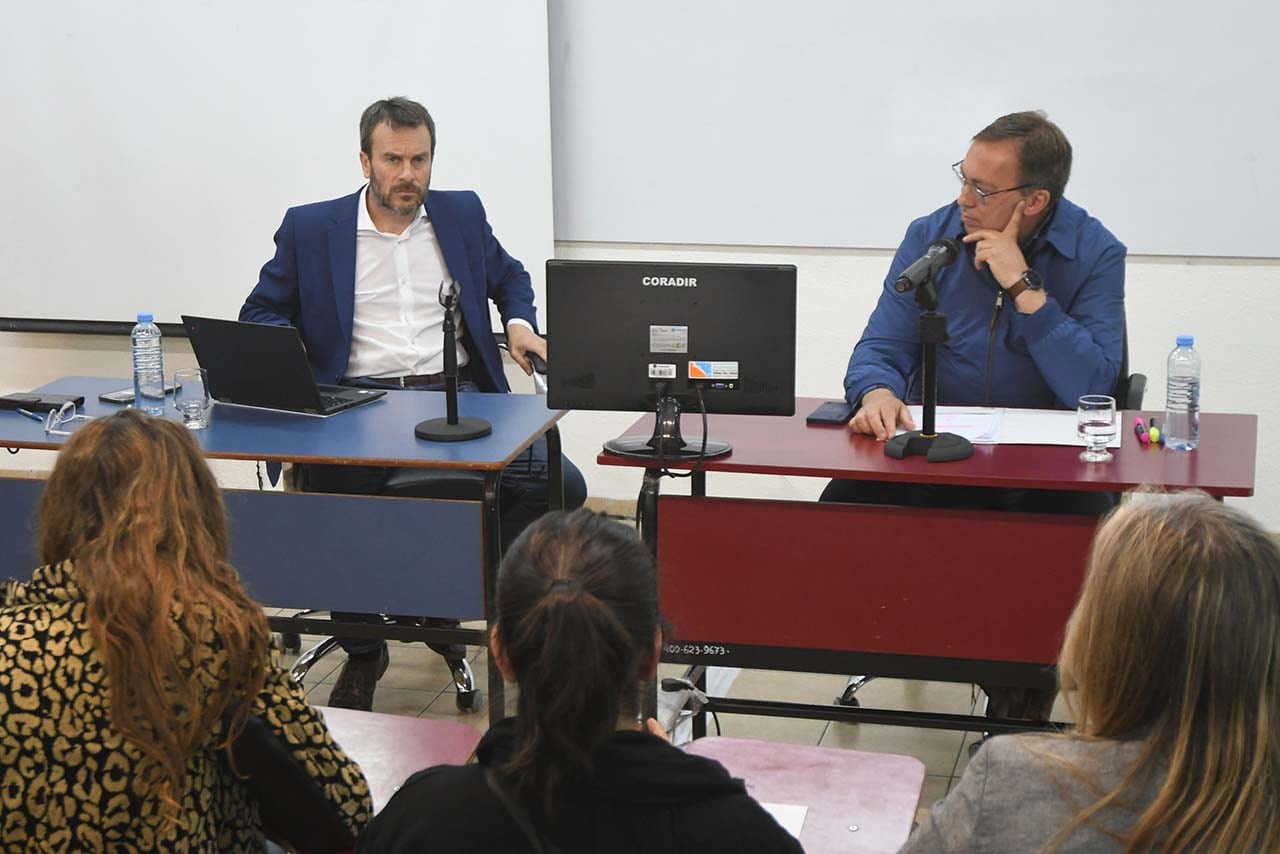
418, 683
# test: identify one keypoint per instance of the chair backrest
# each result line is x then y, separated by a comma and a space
1129, 388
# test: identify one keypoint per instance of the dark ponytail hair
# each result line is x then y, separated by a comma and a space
577, 609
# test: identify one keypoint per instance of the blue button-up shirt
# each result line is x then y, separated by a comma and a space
996, 356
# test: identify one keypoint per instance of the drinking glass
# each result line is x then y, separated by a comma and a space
1096, 426
191, 397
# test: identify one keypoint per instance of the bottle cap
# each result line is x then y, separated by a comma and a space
146, 317
1185, 340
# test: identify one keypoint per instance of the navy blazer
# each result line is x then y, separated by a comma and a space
310, 283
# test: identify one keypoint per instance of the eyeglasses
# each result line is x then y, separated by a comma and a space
982, 194
65, 415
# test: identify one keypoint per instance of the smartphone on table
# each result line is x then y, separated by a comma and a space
831, 412
125, 395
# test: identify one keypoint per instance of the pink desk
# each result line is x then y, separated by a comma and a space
390, 748
876, 793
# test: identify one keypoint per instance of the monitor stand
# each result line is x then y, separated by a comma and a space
666, 443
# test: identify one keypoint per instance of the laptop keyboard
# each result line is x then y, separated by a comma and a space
332, 401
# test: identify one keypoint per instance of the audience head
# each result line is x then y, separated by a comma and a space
133, 505
577, 628
1176, 639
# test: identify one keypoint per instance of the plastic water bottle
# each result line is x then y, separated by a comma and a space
1181, 426
148, 366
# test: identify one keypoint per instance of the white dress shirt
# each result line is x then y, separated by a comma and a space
398, 322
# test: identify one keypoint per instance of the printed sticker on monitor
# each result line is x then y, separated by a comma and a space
713, 370
662, 372
668, 339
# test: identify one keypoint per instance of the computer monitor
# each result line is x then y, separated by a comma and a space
671, 337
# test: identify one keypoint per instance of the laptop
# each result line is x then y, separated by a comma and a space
265, 366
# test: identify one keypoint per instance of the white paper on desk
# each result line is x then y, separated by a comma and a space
980, 425
790, 816
1047, 427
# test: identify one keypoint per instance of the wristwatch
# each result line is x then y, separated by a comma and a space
1030, 281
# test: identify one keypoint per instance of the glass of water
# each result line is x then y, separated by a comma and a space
191, 397
1096, 426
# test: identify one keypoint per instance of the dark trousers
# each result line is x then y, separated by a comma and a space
1062, 501
523, 496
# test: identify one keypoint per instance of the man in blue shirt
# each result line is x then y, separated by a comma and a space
1035, 311
1035, 304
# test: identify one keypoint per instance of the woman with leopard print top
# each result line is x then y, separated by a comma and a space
134, 656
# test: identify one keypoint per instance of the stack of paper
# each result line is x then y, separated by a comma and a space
994, 426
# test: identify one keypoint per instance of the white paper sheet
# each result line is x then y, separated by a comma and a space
977, 424
1047, 427
984, 426
790, 816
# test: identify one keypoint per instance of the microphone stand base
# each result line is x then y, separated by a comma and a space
939, 448
440, 430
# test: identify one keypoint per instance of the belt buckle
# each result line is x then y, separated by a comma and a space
402, 382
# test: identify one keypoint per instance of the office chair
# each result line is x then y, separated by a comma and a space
440, 484
1128, 391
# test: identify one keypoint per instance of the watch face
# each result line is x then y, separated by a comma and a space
1033, 280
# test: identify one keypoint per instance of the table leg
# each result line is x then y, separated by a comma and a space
699, 723
647, 508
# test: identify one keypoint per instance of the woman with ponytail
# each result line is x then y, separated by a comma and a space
134, 657
577, 629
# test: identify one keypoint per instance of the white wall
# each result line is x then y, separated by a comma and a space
1227, 304
667, 115
150, 148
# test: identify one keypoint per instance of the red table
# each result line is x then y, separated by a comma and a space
857, 801
391, 748
958, 595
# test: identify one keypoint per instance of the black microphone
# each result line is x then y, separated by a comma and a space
942, 252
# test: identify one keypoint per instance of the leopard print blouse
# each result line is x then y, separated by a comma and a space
67, 779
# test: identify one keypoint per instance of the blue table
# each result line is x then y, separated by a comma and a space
350, 553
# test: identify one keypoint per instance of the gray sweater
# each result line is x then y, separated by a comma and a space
1013, 799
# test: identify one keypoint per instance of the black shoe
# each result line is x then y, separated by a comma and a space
359, 676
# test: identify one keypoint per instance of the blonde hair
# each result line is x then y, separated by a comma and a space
132, 504
1176, 640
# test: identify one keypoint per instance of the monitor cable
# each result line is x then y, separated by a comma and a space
702, 450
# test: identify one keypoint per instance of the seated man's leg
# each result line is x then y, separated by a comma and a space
907, 494
367, 658
524, 493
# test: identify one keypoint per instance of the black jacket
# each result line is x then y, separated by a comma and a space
644, 795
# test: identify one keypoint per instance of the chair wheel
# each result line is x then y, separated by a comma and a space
291, 642
468, 701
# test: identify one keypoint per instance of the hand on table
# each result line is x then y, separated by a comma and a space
880, 414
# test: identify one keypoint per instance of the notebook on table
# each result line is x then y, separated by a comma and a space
265, 366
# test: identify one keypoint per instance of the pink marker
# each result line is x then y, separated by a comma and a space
1140, 430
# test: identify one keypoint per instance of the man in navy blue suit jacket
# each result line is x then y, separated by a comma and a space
360, 276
